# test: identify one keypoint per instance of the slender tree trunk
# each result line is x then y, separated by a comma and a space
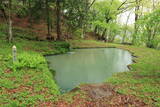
148, 43
4, 14
84, 25
136, 13
103, 34
108, 35
30, 13
113, 38
10, 22
95, 31
24, 2
48, 20
58, 10
153, 4
125, 31
83, 31
137, 7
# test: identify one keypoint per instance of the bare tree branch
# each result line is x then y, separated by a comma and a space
91, 4
122, 4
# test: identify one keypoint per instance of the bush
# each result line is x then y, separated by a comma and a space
62, 46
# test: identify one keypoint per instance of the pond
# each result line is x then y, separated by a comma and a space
88, 66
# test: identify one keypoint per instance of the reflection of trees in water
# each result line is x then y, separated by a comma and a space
119, 58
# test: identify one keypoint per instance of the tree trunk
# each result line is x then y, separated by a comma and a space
4, 13
103, 34
24, 2
113, 38
95, 31
153, 4
10, 22
48, 20
137, 7
124, 35
30, 13
83, 31
108, 35
58, 10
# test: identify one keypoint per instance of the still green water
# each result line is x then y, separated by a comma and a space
88, 66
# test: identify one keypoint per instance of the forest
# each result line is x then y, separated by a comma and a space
80, 53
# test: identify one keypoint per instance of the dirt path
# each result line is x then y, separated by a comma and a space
99, 95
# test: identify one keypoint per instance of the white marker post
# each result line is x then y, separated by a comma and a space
14, 53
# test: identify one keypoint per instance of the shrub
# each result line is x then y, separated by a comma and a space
62, 46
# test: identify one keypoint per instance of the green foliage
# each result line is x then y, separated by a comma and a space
104, 15
148, 32
62, 46
105, 10
6, 83
22, 12
27, 60
24, 34
78, 33
2, 34
76, 16
30, 74
100, 24
3, 30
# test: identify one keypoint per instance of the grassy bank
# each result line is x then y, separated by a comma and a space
29, 82
143, 80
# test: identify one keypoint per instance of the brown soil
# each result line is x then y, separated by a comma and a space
40, 28
7, 71
100, 95
90, 36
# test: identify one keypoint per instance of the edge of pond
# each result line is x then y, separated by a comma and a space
128, 66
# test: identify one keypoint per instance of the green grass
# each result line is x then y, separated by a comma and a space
143, 80
29, 82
